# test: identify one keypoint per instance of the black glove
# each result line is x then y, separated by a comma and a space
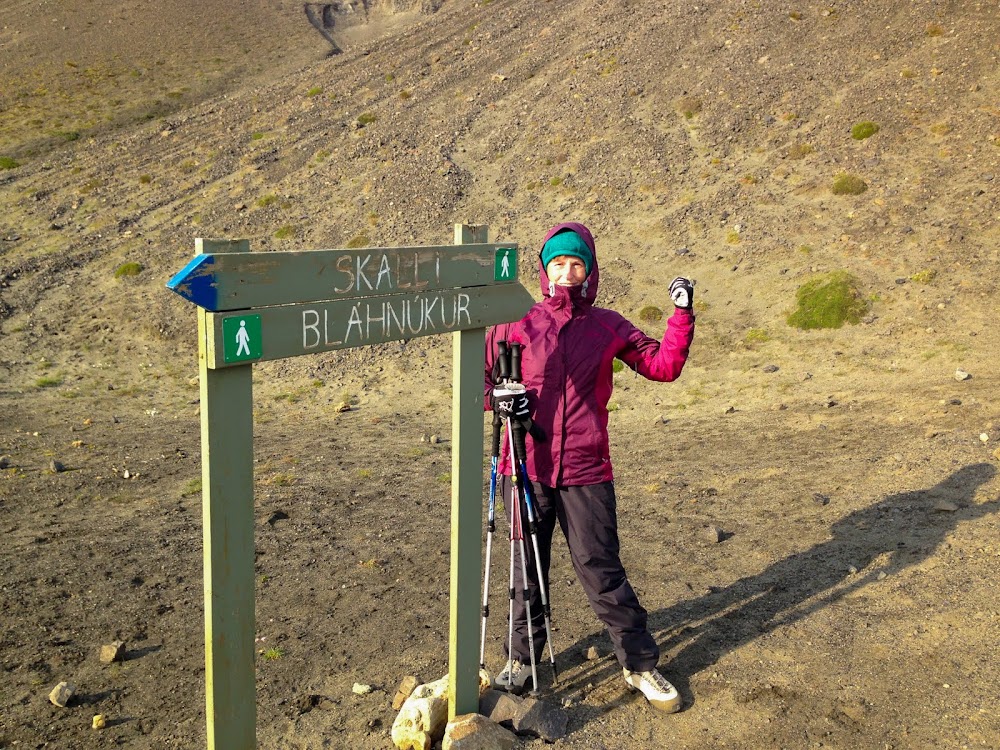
507, 403
682, 293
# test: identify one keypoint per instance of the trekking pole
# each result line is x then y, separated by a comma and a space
518, 453
503, 363
517, 533
491, 527
516, 526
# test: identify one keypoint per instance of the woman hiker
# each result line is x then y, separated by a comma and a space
569, 346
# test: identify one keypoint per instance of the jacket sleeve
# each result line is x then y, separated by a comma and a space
659, 360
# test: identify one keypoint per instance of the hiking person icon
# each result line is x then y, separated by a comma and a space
242, 340
505, 264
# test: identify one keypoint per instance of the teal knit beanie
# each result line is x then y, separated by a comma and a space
567, 242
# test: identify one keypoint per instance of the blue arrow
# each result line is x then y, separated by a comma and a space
196, 282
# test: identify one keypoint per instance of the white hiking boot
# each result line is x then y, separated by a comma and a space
658, 691
513, 677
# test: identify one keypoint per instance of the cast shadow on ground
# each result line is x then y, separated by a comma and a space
896, 533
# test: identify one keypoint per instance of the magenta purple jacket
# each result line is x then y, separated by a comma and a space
569, 347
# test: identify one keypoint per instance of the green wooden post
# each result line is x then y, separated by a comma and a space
468, 361
227, 518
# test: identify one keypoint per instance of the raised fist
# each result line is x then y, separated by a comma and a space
682, 292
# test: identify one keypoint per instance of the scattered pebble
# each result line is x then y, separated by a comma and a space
945, 506
984, 437
962, 375
361, 689
882, 575
852, 569
821, 499
771, 368
591, 654
342, 407
435, 439
98, 722
56, 467
6, 462
712, 534
278, 515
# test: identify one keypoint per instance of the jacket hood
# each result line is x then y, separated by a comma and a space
589, 287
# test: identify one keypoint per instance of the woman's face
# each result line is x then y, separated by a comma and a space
566, 270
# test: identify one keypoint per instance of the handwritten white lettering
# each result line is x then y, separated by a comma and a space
313, 325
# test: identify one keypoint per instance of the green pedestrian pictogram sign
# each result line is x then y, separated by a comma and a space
241, 338
505, 264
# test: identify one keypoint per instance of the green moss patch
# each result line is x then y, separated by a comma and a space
650, 314
828, 301
864, 130
848, 184
128, 269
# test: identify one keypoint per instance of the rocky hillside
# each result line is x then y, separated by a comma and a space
820, 504
699, 139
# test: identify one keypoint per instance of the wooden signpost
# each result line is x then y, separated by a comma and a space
266, 306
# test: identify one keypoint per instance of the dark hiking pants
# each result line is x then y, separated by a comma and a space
588, 519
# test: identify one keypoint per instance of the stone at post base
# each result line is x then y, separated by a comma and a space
500, 706
476, 732
404, 691
423, 716
541, 719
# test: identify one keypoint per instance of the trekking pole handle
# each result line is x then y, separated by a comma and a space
496, 436
515, 362
503, 357
520, 450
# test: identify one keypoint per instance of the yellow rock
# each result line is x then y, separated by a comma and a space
99, 722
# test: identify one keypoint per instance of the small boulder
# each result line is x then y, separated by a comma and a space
6, 462
422, 718
99, 722
541, 719
961, 375
61, 694
476, 732
407, 686
591, 653
111, 652
500, 706
712, 534
56, 467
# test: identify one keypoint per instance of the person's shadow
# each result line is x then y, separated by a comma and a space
884, 538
